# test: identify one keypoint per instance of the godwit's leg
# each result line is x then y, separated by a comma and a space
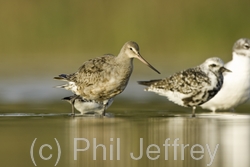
72, 110
105, 106
193, 111
104, 110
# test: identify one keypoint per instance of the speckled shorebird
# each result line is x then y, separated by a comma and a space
104, 77
88, 106
236, 87
191, 87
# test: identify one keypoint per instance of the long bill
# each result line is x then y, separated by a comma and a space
145, 62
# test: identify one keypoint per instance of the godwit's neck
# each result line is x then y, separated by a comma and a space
124, 60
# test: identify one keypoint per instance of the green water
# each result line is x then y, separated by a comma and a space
134, 136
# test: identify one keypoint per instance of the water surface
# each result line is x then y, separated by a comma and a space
132, 137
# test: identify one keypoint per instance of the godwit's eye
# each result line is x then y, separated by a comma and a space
131, 48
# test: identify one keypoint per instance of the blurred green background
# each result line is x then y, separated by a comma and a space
41, 39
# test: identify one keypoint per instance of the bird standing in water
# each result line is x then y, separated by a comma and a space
87, 107
102, 78
236, 87
191, 87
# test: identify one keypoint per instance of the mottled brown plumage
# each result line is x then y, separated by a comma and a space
104, 77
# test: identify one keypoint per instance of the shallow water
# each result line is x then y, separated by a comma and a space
132, 137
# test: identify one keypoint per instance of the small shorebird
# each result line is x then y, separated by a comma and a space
236, 87
104, 77
191, 87
88, 106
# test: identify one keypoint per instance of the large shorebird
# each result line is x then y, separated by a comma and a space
236, 87
102, 78
191, 87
